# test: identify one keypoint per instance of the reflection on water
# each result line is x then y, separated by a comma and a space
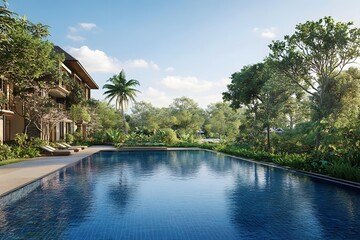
180, 195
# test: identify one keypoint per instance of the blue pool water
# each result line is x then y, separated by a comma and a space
179, 195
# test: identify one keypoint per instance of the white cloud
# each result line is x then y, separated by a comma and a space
140, 63
95, 60
73, 29
163, 97
87, 26
187, 83
223, 83
206, 100
98, 61
269, 33
81, 27
75, 38
169, 69
154, 65
155, 97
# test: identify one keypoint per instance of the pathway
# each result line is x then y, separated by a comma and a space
16, 175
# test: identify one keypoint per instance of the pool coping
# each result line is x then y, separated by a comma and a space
309, 174
79, 157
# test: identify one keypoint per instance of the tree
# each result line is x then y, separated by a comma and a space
29, 64
145, 116
342, 125
123, 91
222, 121
186, 116
79, 114
76, 95
262, 90
28, 61
42, 114
313, 57
6, 20
103, 116
296, 110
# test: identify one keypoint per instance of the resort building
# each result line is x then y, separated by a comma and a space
12, 119
6, 110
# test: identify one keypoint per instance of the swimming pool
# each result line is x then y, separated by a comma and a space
179, 195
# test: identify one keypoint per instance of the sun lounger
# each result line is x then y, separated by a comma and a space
68, 145
75, 149
55, 152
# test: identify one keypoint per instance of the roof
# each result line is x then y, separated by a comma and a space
74, 65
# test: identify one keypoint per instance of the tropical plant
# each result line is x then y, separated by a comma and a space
114, 135
21, 139
5, 152
123, 91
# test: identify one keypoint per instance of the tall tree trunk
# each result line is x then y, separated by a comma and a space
124, 119
291, 124
317, 136
268, 137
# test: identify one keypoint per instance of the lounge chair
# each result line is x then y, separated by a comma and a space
68, 145
55, 152
62, 146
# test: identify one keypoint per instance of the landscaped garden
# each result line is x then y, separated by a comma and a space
305, 86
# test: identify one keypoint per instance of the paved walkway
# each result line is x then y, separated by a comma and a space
16, 175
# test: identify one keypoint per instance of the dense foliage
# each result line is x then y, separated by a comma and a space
21, 148
30, 65
318, 94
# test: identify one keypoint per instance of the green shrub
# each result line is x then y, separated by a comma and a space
169, 136
78, 136
344, 170
69, 138
5, 152
31, 152
99, 137
36, 142
115, 135
186, 137
25, 152
295, 161
21, 139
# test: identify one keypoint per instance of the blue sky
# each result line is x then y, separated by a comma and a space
175, 48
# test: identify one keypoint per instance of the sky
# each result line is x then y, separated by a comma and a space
175, 48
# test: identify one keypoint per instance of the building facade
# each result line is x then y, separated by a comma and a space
12, 119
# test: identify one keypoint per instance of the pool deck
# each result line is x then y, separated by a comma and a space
14, 176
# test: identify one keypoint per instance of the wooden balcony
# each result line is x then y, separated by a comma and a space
5, 106
6, 113
59, 91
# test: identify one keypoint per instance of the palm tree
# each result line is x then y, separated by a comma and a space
122, 91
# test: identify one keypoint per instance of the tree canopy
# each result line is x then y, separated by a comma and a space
261, 90
313, 57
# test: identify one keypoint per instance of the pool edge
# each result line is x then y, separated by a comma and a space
309, 174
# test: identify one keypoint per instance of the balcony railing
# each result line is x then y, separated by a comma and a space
5, 109
59, 91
